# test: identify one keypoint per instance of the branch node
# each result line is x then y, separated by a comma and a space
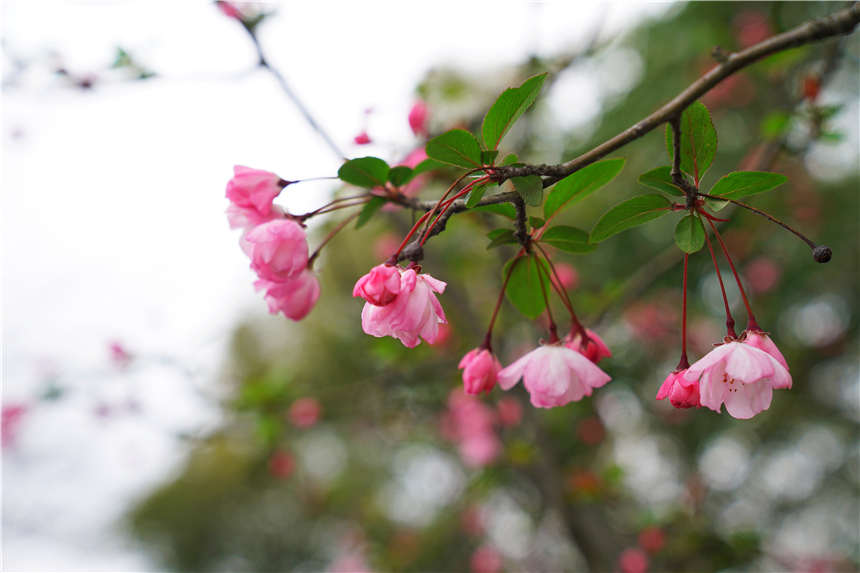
720, 55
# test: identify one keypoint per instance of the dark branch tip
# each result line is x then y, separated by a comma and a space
822, 254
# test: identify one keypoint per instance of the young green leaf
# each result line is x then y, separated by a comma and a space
456, 147
527, 290
576, 187
535, 222
743, 183
508, 159
487, 157
698, 141
661, 180
568, 239
503, 209
530, 189
364, 172
400, 175
425, 166
507, 110
629, 214
369, 210
690, 234
500, 237
475, 195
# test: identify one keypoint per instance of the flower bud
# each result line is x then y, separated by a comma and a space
380, 286
480, 367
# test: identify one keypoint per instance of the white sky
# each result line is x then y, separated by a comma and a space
113, 221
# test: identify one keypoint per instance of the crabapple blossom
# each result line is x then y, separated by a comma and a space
294, 297
592, 348
681, 393
413, 314
740, 376
480, 367
254, 188
278, 249
762, 341
304, 412
380, 286
362, 138
471, 427
554, 375
418, 118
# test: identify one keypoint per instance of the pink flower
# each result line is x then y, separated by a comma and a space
380, 286
248, 217
740, 376
592, 348
418, 118
413, 313
304, 412
294, 297
472, 428
486, 560
282, 464
510, 411
229, 9
362, 138
633, 560
762, 341
681, 393
254, 188
10, 422
278, 249
554, 375
480, 367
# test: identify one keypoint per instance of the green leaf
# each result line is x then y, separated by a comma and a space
369, 210
716, 205
503, 209
400, 175
508, 108
456, 147
364, 172
698, 141
690, 234
743, 183
629, 214
530, 188
526, 288
536, 223
500, 237
475, 195
576, 187
661, 180
425, 166
568, 239
774, 124
509, 159
487, 157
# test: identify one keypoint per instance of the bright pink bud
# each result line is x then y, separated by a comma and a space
304, 412
229, 9
418, 118
486, 560
294, 297
380, 286
592, 347
362, 138
278, 249
554, 375
681, 393
254, 188
413, 314
480, 367
740, 376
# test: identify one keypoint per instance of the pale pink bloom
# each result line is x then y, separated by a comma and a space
479, 450
472, 428
413, 314
554, 375
740, 376
480, 367
592, 348
380, 286
633, 560
254, 188
681, 393
248, 217
486, 560
762, 341
294, 297
362, 138
304, 412
418, 118
278, 249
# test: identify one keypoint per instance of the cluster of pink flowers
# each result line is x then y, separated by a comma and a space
401, 303
275, 242
741, 373
470, 424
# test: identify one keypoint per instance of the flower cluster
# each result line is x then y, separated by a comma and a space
275, 242
470, 424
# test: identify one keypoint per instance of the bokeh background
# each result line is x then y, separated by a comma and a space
156, 418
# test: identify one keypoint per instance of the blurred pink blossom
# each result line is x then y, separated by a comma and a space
652, 539
12, 416
279, 249
567, 275
486, 560
762, 274
591, 347
294, 297
282, 464
119, 355
480, 367
633, 560
510, 411
304, 412
413, 314
229, 9
362, 138
418, 118
471, 427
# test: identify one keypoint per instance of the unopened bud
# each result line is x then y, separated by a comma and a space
822, 253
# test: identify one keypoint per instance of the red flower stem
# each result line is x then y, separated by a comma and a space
737, 277
730, 322
487, 344
415, 227
329, 208
684, 318
330, 236
468, 188
451, 188
553, 329
763, 214
565, 298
